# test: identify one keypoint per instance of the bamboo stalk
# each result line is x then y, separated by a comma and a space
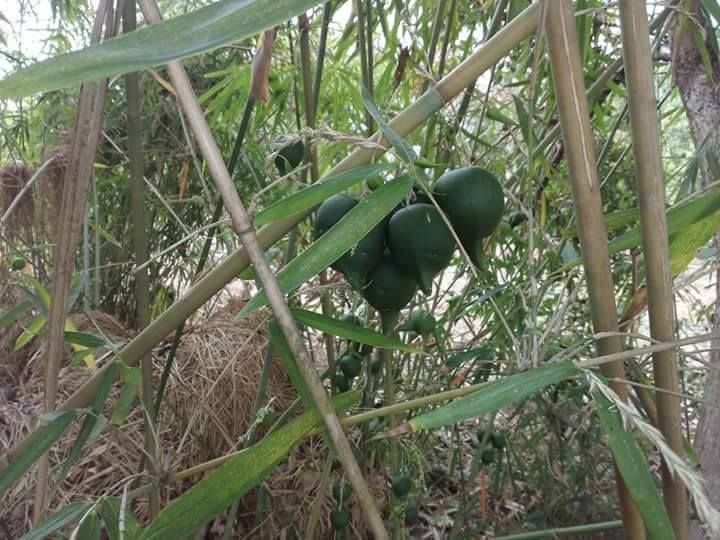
579, 148
404, 123
140, 245
76, 187
653, 226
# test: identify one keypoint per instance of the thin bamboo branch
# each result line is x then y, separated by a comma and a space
243, 227
320, 62
577, 135
653, 226
140, 245
404, 123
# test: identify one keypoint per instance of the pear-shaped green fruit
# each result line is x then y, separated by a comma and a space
350, 364
517, 218
17, 262
474, 202
401, 485
421, 322
361, 258
412, 514
387, 288
340, 518
290, 153
420, 243
342, 383
487, 456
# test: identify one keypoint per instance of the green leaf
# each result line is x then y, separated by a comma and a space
204, 29
280, 345
494, 114
14, 313
495, 396
124, 404
92, 419
220, 488
634, 469
62, 518
90, 528
525, 123
403, 148
340, 238
36, 445
106, 235
30, 332
679, 218
90, 341
317, 193
685, 244
348, 330
713, 8
109, 510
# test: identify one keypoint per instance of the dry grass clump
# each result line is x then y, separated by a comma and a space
209, 407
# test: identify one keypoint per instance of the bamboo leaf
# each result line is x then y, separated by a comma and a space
30, 332
350, 331
110, 510
14, 313
89, 341
494, 396
37, 444
315, 194
280, 346
680, 218
403, 148
634, 469
90, 528
713, 8
92, 419
219, 489
62, 518
202, 30
340, 238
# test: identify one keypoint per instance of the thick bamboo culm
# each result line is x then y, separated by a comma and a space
642, 104
579, 147
404, 123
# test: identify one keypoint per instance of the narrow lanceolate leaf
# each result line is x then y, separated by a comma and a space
62, 518
494, 396
317, 193
14, 313
114, 515
219, 489
403, 148
338, 240
679, 218
37, 444
281, 347
349, 331
199, 31
92, 419
635, 472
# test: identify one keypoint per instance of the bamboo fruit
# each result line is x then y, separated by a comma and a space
580, 151
653, 227
404, 123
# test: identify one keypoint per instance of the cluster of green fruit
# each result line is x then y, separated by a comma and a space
414, 244
491, 442
401, 486
350, 363
340, 515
